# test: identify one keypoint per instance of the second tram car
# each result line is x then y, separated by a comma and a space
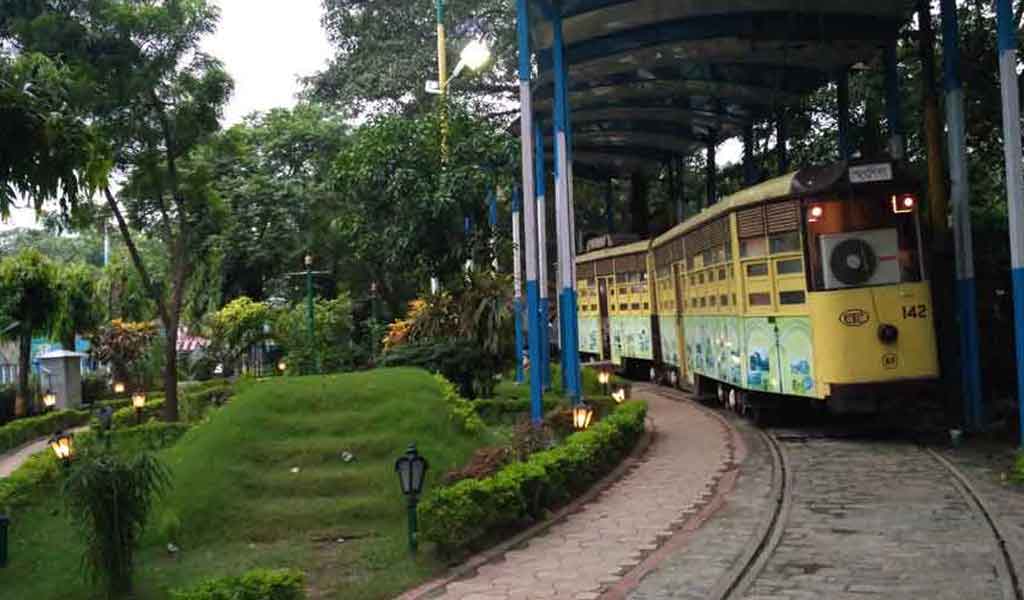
810, 285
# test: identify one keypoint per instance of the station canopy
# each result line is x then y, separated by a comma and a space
653, 79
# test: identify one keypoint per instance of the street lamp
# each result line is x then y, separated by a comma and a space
49, 400
412, 470
138, 403
581, 416
63, 445
105, 415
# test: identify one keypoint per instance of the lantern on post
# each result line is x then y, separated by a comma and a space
281, 367
138, 403
63, 445
49, 400
619, 395
105, 415
5, 523
118, 387
581, 416
412, 470
603, 377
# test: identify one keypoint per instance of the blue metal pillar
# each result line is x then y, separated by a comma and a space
517, 274
749, 168
529, 211
894, 103
1014, 180
960, 193
564, 222
843, 91
542, 250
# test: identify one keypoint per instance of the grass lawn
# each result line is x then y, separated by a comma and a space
237, 504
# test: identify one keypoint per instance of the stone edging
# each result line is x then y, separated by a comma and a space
723, 483
488, 556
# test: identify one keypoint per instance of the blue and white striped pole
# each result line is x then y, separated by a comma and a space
517, 278
1014, 179
564, 222
964, 244
542, 257
529, 212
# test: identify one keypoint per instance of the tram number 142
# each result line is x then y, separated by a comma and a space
915, 311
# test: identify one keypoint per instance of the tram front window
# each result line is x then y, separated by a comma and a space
862, 242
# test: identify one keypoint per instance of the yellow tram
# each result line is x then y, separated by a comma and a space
809, 285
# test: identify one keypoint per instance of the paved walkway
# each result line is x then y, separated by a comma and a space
595, 547
10, 461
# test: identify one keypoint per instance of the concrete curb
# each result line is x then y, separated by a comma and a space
467, 568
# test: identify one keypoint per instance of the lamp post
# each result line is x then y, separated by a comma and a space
49, 400
603, 378
411, 469
105, 415
281, 367
5, 523
63, 445
118, 387
581, 416
138, 403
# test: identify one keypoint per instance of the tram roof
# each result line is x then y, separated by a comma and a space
652, 79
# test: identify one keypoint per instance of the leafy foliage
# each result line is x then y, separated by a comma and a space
121, 344
260, 584
332, 324
109, 497
454, 517
20, 431
236, 328
28, 296
77, 308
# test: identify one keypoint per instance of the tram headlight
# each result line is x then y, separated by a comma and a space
815, 213
903, 203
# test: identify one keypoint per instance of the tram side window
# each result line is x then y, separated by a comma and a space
785, 242
753, 247
861, 242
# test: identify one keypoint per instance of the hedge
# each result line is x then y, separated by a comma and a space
193, 402
20, 431
454, 517
460, 409
20, 486
260, 584
498, 409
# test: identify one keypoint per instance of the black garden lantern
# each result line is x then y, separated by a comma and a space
63, 445
412, 471
105, 415
582, 414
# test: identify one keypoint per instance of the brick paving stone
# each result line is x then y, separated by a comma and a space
593, 547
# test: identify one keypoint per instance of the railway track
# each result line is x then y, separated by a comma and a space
740, 581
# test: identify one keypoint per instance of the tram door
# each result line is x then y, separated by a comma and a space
678, 275
606, 332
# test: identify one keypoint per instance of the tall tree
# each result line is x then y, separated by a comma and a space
77, 310
156, 100
387, 50
28, 296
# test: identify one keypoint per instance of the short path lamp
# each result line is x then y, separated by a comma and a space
5, 523
63, 445
49, 400
282, 367
619, 395
411, 469
105, 415
118, 387
603, 378
138, 403
581, 416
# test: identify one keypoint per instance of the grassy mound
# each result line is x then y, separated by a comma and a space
264, 484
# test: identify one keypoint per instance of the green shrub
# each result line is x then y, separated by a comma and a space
260, 584
196, 401
460, 361
506, 409
461, 410
7, 395
454, 517
1018, 468
94, 388
23, 484
20, 431
125, 417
